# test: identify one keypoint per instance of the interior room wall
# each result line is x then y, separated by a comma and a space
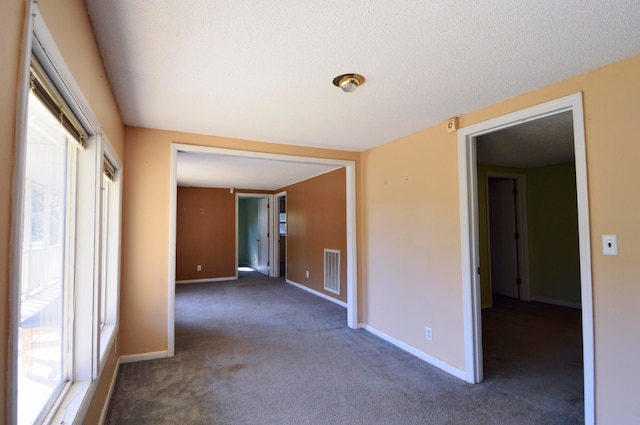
552, 218
411, 238
316, 219
205, 233
411, 244
81, 55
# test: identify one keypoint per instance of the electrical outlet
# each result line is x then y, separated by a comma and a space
199, 268
307, 274
429, 335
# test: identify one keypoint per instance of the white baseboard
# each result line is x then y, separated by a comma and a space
556, 302
319, 294
419, 354
131, 358
211, 279
107, 401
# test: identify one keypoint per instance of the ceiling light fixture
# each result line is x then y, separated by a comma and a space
348, 82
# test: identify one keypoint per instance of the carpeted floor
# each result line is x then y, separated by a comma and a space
259, 351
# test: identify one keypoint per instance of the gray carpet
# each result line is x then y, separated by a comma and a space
259, 351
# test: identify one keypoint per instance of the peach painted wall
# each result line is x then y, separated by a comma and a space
11, 27
317, 219
205, 233
411, 235
411, 250
145, 262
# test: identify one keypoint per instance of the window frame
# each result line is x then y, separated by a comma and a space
88, 345
112, 244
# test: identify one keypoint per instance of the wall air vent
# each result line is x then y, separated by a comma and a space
332, 271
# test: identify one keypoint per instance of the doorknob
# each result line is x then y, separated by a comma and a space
257, 240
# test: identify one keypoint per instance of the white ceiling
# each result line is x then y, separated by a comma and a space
545, 141
263, 70
222, 171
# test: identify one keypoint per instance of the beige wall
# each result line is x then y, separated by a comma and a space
80, 52
411, 245
145, 262
317, 219
411, 239
205, 233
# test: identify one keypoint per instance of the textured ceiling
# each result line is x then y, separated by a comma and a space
263, 70
545, 141
213, 170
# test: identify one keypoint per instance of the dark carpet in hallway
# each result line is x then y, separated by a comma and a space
259, 351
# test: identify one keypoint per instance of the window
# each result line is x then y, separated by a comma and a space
110, 247
104, 269
69, 249
46, 280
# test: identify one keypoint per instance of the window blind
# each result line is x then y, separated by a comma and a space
109, 169
45, 91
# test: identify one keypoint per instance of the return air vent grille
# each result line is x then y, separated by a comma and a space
332, 271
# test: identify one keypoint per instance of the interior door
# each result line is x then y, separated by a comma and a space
502, 236
263, 236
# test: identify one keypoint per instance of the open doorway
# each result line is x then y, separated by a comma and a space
253, 232
249, 157
502, 219
470, 183
280, 200
530, 213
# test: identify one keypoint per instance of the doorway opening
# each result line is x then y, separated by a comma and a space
280, 242
505, 220
476, 263
253, 232
350, 184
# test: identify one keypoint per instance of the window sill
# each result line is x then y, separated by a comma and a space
107, 338
68, 407
72, 403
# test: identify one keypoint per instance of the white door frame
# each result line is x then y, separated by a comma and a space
275, 242
352, 253
270, 225
523, 241
469, 235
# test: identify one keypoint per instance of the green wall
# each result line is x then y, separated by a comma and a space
552, 217
554, 258
247, 230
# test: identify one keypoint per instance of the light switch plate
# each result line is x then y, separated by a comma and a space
610, 244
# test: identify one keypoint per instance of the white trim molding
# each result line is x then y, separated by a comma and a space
414, 351
154, 355
317, 293
469, 236
112, 386
211, 279
560, 303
